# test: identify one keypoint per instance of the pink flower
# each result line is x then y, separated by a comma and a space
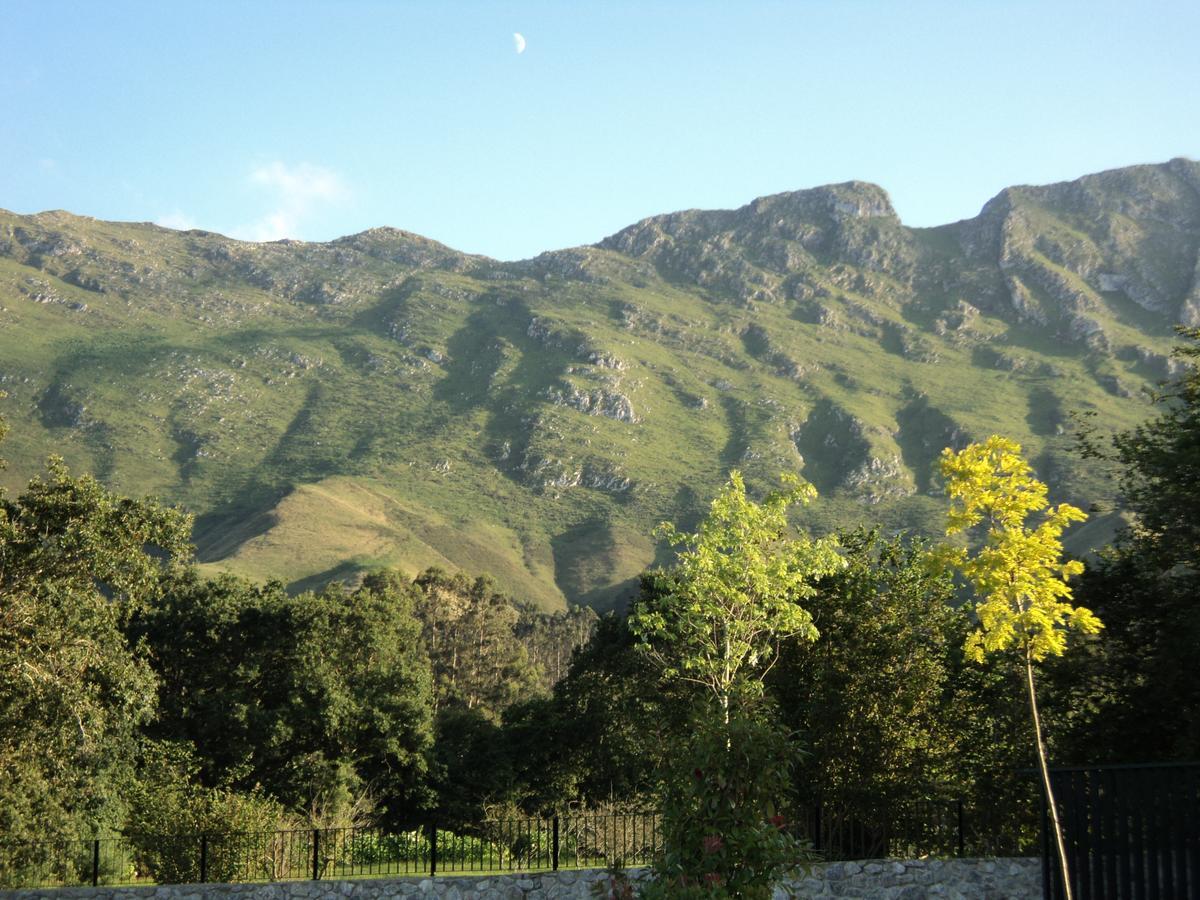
713, 843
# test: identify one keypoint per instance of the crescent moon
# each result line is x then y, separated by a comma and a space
518, 42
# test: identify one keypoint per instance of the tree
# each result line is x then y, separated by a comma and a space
315, 697
735, 592
170, 808
76, 561
470, 634
611, 710
1018, 574
1160, 469
715, 621
551, 638
870, 697
1134, 694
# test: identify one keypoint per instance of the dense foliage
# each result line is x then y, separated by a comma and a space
723, 802
1135, 693
315, 698
76, 562
735, 593
137, 694
873, 698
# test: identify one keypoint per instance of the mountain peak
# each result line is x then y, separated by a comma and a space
848, 200
747, 251
382, 399
787, 213
406, 247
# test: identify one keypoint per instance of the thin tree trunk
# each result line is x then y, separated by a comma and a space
1042, 766
725, 695
725, 692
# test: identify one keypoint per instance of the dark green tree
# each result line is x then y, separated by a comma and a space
1134, 693
887, 707
471, 770
551, 639
76, 561
611, 710
869, 697
315, 698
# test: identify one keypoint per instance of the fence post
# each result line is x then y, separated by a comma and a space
554, 845
432, 849
95, 862
316, 854
816, 836
204, 859
961, 836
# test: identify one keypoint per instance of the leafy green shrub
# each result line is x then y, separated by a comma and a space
62, 862
245, 833
368, 848
723, 830
374, 847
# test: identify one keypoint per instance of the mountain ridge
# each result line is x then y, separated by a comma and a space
383, 399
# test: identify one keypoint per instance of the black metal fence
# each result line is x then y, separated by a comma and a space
1130, 832
575, 840
914, 829
580, 840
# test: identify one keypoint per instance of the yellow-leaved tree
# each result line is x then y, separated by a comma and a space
1018, 572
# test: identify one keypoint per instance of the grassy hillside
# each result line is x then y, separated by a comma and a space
384, 400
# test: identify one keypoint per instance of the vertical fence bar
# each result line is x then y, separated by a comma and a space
433, 849
554, 845
95, 863
1109, 846
204, 859
316, 860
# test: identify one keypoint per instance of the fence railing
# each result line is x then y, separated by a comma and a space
915, 829
575, 840
1129, 831
579, 840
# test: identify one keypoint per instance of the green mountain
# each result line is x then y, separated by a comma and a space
383, 399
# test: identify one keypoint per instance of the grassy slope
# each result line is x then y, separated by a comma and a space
420, 417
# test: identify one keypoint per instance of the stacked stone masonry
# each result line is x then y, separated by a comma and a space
954, 879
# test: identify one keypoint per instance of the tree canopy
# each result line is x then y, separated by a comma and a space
735, 591
75, 561
1019, 575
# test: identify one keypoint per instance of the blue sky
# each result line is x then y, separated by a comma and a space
316, 119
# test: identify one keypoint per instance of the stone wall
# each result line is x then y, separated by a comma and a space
955, 879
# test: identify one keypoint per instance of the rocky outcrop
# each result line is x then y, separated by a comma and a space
594, 402
752, 252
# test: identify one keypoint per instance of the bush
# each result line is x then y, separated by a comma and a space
246, 833
724, 833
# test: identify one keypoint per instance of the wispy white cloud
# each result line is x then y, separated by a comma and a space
177, 220
298, 192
